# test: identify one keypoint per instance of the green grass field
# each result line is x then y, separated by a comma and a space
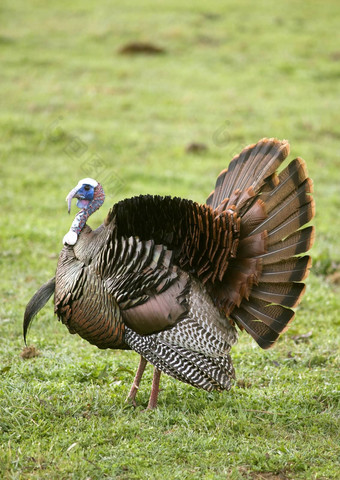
72, 106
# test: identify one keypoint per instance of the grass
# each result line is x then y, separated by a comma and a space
73, 107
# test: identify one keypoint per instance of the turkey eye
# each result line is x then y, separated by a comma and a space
87, 188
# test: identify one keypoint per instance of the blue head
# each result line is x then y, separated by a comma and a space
85, 195
84, 192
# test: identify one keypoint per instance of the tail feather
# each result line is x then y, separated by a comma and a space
276, 317
249, 169
286, 208
252, 246
292, 223
287, 294
285, 183
299, 242
294, 269
261, 333
253, 217
37, 302
263, 281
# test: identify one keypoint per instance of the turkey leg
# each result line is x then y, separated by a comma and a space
135, 385
154, 389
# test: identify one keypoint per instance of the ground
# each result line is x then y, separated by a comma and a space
156, 97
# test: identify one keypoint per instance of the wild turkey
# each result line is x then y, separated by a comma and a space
172, 279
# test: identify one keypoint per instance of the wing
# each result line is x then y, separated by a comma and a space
149, 289
202, 240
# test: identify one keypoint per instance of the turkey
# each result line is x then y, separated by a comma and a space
175, 280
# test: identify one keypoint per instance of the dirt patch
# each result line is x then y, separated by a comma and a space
247, 475
196, 147
335, 278
141, 48
29, 352
269, 476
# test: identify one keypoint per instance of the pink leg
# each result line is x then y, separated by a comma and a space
135, 385
154, 389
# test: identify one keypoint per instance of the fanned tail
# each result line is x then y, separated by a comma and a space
263, 281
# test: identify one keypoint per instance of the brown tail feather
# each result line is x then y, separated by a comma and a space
285, 183
286, 209
262, 281
286, 294
253, 217
249, 169
294, 269
299, 242
291, 224
275, 317
262, 334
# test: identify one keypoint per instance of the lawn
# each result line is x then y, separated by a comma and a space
76, 103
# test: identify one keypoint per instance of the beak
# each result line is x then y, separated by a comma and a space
70, 196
